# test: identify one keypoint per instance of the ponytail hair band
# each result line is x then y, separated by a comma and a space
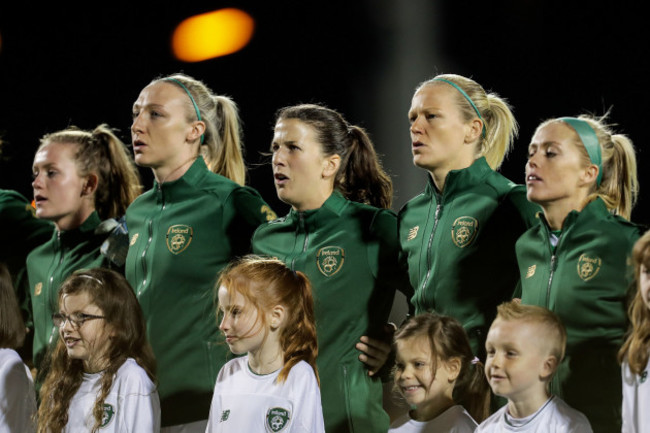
590, 140
196, 107
466, 96
475, 360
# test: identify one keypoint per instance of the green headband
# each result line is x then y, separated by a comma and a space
462, 92
589, 140
196, 107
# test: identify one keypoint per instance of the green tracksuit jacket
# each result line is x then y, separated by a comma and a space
460, 246
51, 263
350, 253
182, 235
585, 281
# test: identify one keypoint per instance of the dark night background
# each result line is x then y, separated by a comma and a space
83, 65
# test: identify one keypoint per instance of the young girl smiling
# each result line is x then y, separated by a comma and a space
268, 314
102, 368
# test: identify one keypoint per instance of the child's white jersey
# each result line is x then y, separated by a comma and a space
246, 402
132, 404
17, 398
555, 416
636, 400
453, 420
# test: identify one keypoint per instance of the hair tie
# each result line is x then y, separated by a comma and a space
462, 92
589, 140
196, 107
475, 360
91, 277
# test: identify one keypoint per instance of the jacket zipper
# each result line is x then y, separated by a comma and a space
301, 226
436, 219
53, 331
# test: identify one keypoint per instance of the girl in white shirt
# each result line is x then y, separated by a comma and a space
17, 399
439, 377
267, 313
101, 374
636, 350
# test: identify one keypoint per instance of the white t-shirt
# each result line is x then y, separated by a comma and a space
636, 400
246, 402
453, 420
132, 404
555, 416
17, 398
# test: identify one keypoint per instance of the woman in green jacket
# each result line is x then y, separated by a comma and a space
183, 233
459, 234
83, 183
575, 262
342, 235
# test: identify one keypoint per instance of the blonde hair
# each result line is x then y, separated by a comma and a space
619, 186
222, 144
637, 344
500, 124
102, 153
554, 332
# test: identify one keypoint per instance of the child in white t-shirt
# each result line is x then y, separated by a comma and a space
101, 376
267, 313
17, 398
636, 350
524, 346
439, 377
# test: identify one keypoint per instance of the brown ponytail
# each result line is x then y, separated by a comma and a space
101, 152
361, 177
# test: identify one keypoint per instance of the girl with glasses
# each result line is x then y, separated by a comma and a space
102, 367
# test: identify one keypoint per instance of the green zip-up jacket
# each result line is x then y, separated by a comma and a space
585, 282
183, 233
350, 253
460, 246
50, 264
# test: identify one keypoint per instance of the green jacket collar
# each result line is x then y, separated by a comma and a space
177, 189
594, 210
461, 180
332, 208
83, 231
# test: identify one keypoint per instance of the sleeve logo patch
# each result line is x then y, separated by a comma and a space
178, 238
277, 419
133, 239
38, 288
588, 267
330, 260
531, 271
268, 213
464, 230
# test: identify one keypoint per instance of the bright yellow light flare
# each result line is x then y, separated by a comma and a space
212, 34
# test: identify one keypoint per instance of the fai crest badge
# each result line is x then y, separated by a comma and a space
277, 419
179, 237
588, 266
107, 417
464, 230
330, 260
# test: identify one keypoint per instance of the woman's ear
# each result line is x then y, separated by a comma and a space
474, 130
331, 165
198, 129
90, 185
590, 174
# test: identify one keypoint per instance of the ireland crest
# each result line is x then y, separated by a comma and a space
107, 417
588, 267
464, 230
277, 419
179, 237
330, 260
